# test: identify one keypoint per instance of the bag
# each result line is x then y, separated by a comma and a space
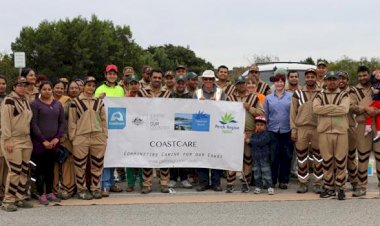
62, 154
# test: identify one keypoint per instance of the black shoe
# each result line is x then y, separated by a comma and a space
327, 193
202, 187
230, 189
283, 186
244, 188
217, 188
341, 195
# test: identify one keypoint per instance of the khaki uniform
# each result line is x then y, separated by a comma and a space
33, 95
228, 89
352, 162
144, 84
263, 88
15, 125
87, 128
255, 110
361, 98
64, 175
303, 123
3, 165
148, 172
331, 109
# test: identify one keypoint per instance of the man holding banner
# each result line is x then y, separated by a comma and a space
209, 91
253, 108
154, 90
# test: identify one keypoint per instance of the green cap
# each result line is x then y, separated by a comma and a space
132, 78
332, 74
240, 79
281, 71
321, 62
191, 75
181, 78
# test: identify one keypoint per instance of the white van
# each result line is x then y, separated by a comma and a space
267, 69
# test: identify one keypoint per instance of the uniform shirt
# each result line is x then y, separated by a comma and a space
148, 92
16, 115
144, 84
351, 116
33, 95
361, 97
301, 109
255, 107
228, 89
184, 95
86, 115
110, 91
277, 112
331, 109
263, 88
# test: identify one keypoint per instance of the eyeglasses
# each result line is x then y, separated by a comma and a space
208, 79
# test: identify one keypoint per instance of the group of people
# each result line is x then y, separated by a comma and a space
61, 129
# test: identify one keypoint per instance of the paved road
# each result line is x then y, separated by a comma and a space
321, 212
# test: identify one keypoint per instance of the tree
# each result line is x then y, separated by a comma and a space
308, 60
259, 59
7, 68
78, 47
168, 57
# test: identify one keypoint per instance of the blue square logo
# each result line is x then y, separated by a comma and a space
117, 118
200, 122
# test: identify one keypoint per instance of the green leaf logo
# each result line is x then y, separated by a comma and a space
227, 118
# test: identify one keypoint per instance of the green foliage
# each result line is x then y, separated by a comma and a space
168, 57
7, 67
308, 60
79, 47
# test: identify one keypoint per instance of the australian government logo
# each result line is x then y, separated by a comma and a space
158, 122
227, 123
117, 118
199, 122
138, 121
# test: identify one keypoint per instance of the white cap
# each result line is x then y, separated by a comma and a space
208, 74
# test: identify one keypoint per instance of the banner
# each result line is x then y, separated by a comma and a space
161, 133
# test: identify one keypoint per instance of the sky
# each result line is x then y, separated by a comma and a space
228, 32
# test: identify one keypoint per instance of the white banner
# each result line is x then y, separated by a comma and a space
161, 133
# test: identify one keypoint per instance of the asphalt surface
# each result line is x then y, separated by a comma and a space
323, 212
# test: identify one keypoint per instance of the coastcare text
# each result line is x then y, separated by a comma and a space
172, 144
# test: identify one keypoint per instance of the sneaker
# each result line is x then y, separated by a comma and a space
317, 189
172, 184
115, 188
65, 195
43, 200
202, 187
354, 186
230, 189
164, 189
105, 192
53, 198
327, 193
130, 188
146, 190
245, 188
377, 137
341, 194
270, 191
257, 191
217, 188
283, 186
186, 184
85, 195
24, 204
97, 194
9, 207
302, 188
367, 130
359, 192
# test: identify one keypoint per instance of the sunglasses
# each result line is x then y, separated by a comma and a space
208, 79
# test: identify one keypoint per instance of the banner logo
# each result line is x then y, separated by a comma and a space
199, 122
117, 118
227, 123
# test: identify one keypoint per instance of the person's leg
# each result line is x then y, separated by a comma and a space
131, 177
285, 157
3, 175
215, 177
275, 160
174, 174
247, 162
257, 174
364, 147
25, 155
39, 160
164, 176
203, 176
97, 151
231, 178
352, 165
266, 172
68, 176
303, 155
49, 174
80, 155
340, 159
326, 148
317, 157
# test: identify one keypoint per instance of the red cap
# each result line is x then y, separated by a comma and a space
111, 67
261, 118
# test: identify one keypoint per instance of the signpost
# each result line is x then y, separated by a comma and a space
19, 58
